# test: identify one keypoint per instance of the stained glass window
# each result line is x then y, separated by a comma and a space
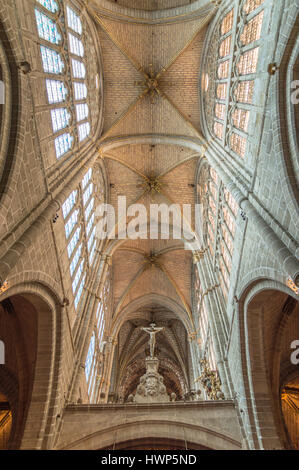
52, 61
78, 247
244, 91
224, 49
214, 175
213, 189
48, 25
226, 256
50, 5
212, 205
227, 22
211, 239
87, 194
63, 144
60, 118
83, 130
80, 90
92, 252
220, 111
252, 30
47, 28
218, 129
224, 271
92, 380
100, 321
240, 119
57, 91
223, 285
212, 220
90, 241
76, 46
75, 259
205, 81
227, 238
220, 209
197, 289
86, 178
252, 5
223, 69
82, 111
222, 91
211, 355
78, 276
69, 226
69, 204
248, 62
229, 220
231, 202
73, 20
88, 189
238, 144
90, 357
212, 210
90, 224
79, 292
79, 70
73, 243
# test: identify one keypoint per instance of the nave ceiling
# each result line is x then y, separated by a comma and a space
151, 108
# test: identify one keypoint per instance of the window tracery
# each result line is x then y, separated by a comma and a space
236, 44
61, 52
220, 211
80, 226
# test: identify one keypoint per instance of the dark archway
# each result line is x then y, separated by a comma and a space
18, 331
270, 326
28, 330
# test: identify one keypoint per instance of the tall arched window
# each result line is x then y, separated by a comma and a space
79, 216
248, 38
235, 72
90, 363
224, 55
62, 55
220, 211
93, 359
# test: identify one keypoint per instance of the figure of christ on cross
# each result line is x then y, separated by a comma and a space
152, 331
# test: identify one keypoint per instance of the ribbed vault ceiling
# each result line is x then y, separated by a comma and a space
151, 87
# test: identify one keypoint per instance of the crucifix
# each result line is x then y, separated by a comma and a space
152, 331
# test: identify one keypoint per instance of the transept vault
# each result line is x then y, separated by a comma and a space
182, 105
